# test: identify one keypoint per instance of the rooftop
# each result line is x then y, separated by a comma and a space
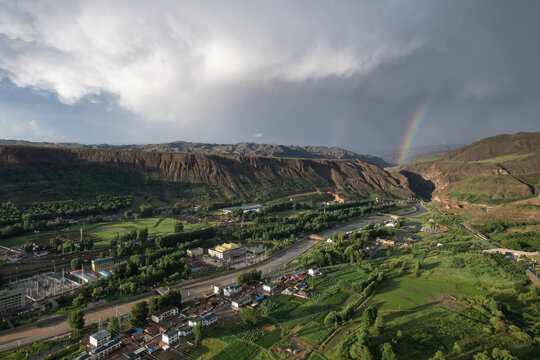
100, 334
226, 247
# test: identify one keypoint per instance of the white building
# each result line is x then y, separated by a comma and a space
193, 321
270, 288
99, 338
231, 290
313, 271
170, 337
228, 251
238, 303
160, 316
206, 320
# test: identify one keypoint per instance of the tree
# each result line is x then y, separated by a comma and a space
96, 293
438, 356
535, 292
138, 313
331, 318
153, 305
360, 352
178, 226
76, 320
114, 324
249, 317
498, 354
197, 332
387, 353
252, 275
369, 315
143, 234
146, 211
285, 331
76, 264
378, 325
79, 300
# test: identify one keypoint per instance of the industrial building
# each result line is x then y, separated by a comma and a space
12, 299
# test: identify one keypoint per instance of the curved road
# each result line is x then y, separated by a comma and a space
57, 325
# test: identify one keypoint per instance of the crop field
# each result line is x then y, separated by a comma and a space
270, 339
353, 276
238, 350
338, 298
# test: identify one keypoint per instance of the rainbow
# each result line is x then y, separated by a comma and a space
411, 131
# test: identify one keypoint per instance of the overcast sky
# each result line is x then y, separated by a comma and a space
345, 73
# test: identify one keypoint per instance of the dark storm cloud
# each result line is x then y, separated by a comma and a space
350, 73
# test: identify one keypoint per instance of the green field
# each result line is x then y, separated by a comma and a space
208, 348
313, 332
408, 293
106, 231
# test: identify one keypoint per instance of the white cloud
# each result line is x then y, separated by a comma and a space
258, 135
169, 63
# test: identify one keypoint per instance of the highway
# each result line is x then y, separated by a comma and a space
57, 325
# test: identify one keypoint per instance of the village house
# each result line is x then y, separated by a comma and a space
270, 289
185, 330
104, 350
170, 337
240, 302
231, 290
170, 311
99, 338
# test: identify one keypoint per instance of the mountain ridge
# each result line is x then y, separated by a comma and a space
237, 149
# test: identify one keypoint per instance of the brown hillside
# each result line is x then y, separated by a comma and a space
234, 176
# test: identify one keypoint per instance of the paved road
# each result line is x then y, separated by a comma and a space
56, 325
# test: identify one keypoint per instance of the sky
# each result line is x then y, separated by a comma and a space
306, 72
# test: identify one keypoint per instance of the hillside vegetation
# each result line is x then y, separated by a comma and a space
498, 169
